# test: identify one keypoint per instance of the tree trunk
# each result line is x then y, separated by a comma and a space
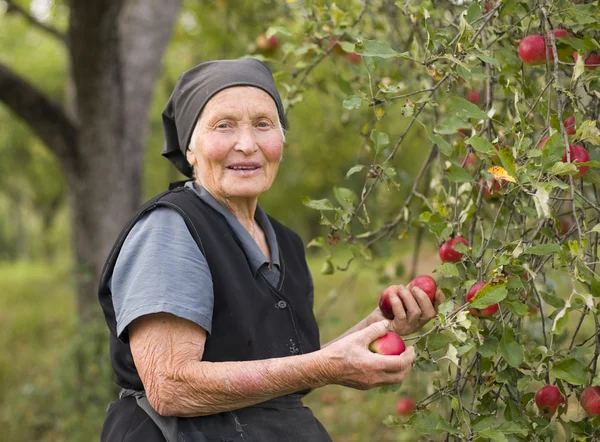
116, 50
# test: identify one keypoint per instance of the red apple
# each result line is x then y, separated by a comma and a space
548, 399
353, 57
542, 143
336, 47
532, 50
405, 406
389, 344
465, 132
578, 155
474, 97
482, 313
470, 162
491, 189
447, 252
425, 283
264, 44
590, 400
569, 124
384, 303
592, 61
488, 7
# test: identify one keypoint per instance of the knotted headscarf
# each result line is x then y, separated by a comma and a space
195, 88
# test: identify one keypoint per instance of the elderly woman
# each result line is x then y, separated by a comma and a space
209, 300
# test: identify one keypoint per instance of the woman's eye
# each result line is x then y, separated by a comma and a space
263, 124
223, 125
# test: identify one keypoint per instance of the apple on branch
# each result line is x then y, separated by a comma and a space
485, 312
447, 251
590, 400
548, 399
405, 406
578, 155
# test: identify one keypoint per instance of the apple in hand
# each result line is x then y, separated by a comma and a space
384, 303
405, 406
485, 312
590, 400
389, 344
425, 283
548, 399
578, 155
447, 252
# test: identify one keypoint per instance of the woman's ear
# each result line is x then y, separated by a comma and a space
191, 157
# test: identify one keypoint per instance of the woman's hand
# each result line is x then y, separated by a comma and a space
350, 363
411, 310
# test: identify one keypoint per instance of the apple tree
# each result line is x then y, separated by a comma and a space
499, 100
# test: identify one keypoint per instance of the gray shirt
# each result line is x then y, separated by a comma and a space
160, 268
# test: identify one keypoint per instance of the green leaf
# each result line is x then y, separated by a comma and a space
553, 300
337, 15
511, 351
542, 249
457, 174
375, 48
463, 108
323, 204
447, 270
588, 131
552, 151
352, 102
443, 145
438, 341
541, 199
561, 168
488, 295
346, 197
480, 144
354, 169
571, 370
507, 160
380, 140
489, 347
494, 435
430, 422
517, 308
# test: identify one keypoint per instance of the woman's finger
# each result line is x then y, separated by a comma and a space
424, 302
413, 311
439, 298
397, 305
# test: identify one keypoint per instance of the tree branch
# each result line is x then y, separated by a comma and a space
46, 118
13, 7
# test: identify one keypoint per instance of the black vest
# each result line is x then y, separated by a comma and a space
251, 319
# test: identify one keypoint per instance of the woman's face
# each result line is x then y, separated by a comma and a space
237, 144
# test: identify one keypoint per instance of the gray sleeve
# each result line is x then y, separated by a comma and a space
161, 269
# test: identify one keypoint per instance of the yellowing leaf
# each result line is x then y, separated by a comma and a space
501, 174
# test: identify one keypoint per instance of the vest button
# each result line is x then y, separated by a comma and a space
281, 304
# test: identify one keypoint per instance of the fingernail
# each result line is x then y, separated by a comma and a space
386, 323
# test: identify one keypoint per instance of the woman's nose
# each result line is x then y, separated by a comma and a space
246, 141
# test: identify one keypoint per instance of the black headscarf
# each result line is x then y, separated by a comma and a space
195, 88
